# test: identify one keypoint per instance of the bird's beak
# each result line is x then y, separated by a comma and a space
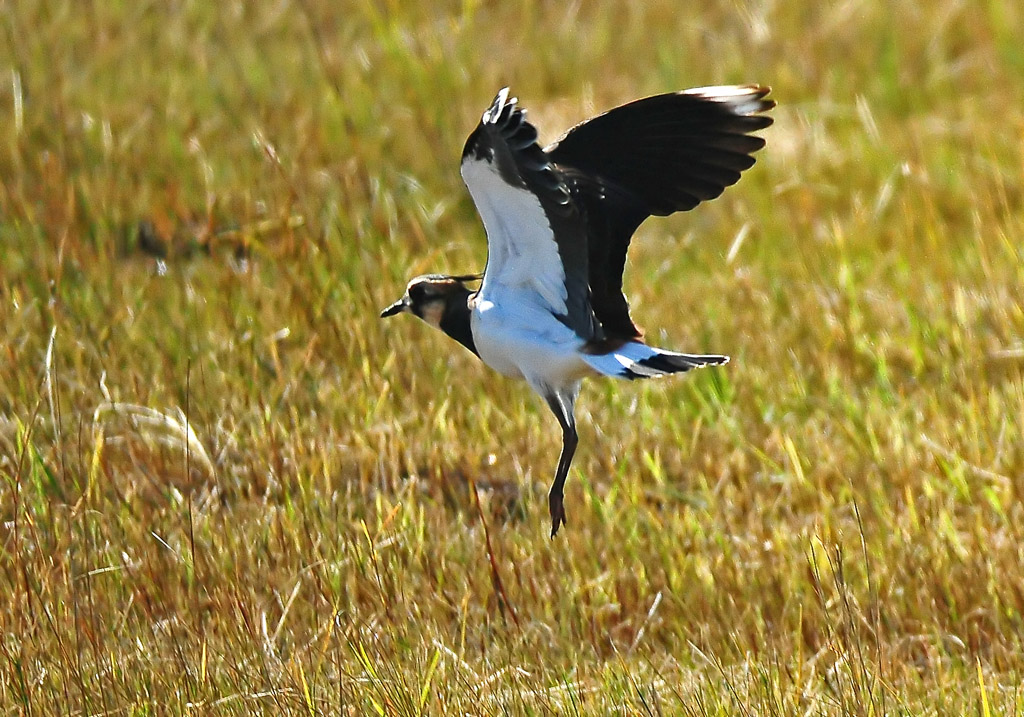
396, 308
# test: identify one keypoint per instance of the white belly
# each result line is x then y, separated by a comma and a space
527, 343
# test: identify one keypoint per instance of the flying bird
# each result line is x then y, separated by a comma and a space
549, 308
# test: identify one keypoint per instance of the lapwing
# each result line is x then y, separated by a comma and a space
549, 308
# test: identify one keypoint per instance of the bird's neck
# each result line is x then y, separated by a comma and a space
455, 321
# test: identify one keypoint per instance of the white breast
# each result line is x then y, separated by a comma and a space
519, 338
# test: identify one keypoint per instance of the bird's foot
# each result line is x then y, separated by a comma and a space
557, 511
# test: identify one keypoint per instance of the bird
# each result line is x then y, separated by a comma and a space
559, 220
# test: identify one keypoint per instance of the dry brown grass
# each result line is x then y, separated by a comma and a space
228, 488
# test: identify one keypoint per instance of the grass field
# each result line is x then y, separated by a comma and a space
228, 488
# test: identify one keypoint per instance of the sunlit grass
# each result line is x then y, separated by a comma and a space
228, 488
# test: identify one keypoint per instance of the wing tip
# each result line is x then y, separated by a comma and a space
501, 103
506, 121
747, 100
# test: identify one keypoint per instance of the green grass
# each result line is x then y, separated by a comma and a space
229, 488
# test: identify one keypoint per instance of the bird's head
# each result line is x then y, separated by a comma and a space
429, 296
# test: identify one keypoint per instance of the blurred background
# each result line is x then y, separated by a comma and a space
229, 487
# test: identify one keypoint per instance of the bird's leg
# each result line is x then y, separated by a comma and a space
555, 505
562, 404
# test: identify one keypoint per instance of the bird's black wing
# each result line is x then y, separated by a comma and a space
654, 156
536, 237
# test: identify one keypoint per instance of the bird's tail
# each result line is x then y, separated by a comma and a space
636, 360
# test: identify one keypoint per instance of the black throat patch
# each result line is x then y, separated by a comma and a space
455, 321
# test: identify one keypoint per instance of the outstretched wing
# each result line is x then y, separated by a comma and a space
536, 238
658, 155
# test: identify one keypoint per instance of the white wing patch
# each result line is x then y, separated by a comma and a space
521, 248
745, 99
